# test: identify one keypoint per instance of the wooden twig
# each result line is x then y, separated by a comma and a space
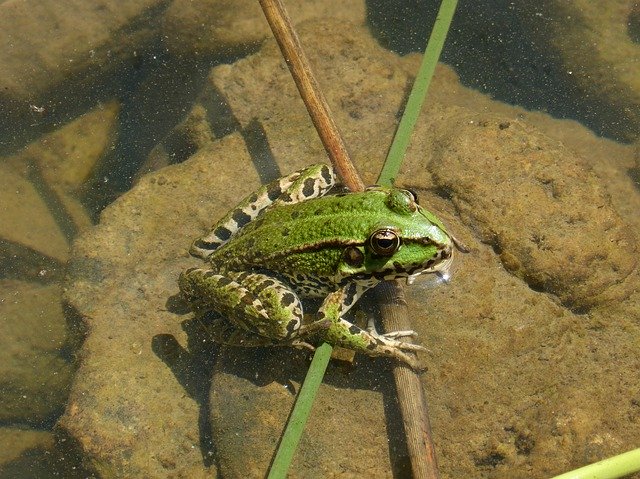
413, 406
411, 398
310, 92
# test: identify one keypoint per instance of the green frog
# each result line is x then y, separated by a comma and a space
291, 240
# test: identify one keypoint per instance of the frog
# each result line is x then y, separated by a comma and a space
291, 241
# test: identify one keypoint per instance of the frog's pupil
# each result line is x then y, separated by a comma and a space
384, 242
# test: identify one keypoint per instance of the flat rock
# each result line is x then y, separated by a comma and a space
143, 382
511, 366
548, 217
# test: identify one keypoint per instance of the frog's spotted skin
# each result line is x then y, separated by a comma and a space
290, 240
299, 186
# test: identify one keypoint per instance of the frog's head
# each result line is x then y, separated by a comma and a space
405, 241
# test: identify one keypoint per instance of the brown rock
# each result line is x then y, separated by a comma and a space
511, 371
538, 205
35, 374
143, 382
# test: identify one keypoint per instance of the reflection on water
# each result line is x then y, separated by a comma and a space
95, 96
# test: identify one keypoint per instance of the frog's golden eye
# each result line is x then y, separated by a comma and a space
384, 242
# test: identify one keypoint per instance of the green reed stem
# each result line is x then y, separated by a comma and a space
418, 92
300, 414
612, 468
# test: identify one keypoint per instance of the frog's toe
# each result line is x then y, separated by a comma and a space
411, 360
298, 343
410, 346
400, 334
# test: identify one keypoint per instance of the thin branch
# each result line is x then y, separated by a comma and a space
310, 92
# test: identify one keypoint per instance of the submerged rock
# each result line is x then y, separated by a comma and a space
511, 366
35, 367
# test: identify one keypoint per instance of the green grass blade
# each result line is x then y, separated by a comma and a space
612, 468
418, 92
300, 413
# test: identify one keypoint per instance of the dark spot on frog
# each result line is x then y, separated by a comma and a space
292, 326
295, 214
252, 199
209, 245
326, 174
241, 218
504, 125
353, 329
251, 242
397, 266
288, 299
308, 188
223, 281
349, 296
274, 192
285, 232
223, 233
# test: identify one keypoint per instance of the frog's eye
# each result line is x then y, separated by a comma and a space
384, 242
415, 196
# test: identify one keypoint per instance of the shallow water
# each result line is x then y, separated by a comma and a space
96, 96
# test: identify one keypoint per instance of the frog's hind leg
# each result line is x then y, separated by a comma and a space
309, 182
252, 302
224, 332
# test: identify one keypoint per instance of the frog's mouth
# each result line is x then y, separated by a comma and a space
439, 268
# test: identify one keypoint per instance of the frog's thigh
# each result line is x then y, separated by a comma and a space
254, 302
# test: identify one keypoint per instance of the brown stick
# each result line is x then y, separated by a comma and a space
310, 92
413, 406
411, 398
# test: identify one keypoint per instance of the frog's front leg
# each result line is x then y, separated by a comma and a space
255, 303
348, 335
